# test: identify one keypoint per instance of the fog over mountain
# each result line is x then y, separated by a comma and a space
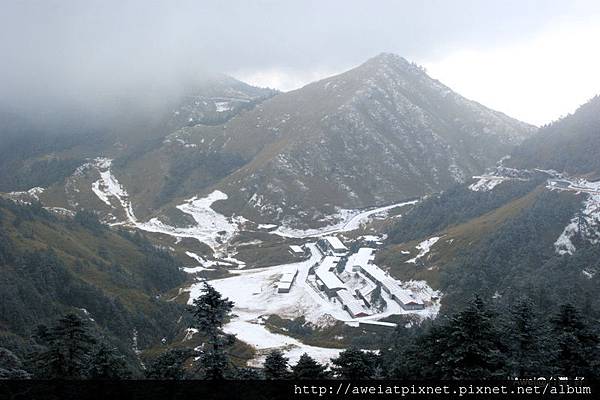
99, 53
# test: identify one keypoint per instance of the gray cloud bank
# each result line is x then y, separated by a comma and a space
86, 53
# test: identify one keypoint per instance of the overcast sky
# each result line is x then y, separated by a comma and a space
534, 60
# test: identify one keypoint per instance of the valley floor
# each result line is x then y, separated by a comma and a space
255, 295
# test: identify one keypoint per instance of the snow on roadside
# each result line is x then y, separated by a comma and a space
424, 247
348, 220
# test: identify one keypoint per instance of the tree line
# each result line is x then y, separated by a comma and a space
478, 342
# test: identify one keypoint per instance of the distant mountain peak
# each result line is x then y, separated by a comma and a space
388, 58
391, 61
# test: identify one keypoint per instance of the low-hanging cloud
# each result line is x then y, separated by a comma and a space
89, 53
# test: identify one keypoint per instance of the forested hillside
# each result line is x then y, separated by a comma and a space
498, 243
51, 265
570, 145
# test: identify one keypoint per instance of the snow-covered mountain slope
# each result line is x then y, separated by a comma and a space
380, 133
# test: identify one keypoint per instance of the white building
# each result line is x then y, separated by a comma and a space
332, 245
326, 278
296, 251
351, 304
363, 261
286, 281
405, 298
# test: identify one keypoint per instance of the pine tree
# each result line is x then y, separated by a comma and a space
6, 248
276, 365
575, 344
248, 374
41, 335
170, 365
341, 265
11, 366
69, 346
471, 346
308, 368
106, 363
377, 300
354, 364
527, 337
210, 311
401, 356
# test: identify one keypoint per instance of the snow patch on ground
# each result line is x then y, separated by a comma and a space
255, 294
424, 247
266, 226
205, 265
222, 106
254, 333
61, 211
589, 273
485, 183
494, 177
587, 221
27, 196
108, 187
211, 228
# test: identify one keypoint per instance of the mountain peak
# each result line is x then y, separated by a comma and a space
390, 60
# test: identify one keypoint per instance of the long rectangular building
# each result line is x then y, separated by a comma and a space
363, 261
350, 304
327, 279
332, 245
286, 281
406, 300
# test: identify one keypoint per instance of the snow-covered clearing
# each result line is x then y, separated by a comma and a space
254, 293
348, 220
424, 247
252, 332
211, 227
